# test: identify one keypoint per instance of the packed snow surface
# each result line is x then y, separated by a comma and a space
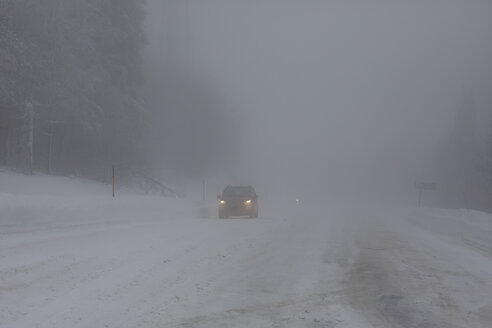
72, 256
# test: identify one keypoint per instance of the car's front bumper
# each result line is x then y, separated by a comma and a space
237, 210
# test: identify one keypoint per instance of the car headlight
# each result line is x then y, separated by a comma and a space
222, 202
248, 201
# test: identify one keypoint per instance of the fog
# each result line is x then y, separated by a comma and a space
363, 126
314, 97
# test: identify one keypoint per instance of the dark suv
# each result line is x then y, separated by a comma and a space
238, 201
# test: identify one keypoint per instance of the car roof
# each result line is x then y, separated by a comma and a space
239, 190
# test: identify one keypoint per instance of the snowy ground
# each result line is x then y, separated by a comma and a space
70, 256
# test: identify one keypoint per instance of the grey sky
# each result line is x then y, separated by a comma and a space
317, 84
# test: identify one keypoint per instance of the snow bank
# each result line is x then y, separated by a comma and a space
18, 184
45, 200
471, 227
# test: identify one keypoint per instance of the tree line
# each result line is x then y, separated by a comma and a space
70, 85
463, 162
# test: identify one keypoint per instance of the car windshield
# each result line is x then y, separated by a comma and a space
237, 192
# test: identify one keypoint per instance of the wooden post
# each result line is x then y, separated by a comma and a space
50, 150
203, 190
30, 113
112, 169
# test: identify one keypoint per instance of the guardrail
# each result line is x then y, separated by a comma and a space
134, 176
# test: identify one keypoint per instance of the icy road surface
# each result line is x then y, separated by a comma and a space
111, 266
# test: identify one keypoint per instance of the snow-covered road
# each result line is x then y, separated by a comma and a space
409, 276
109, 266
173, 272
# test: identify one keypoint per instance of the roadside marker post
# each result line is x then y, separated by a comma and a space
203, 189
112, 174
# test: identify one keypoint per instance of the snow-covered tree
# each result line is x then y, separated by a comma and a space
78, 64
459, 163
